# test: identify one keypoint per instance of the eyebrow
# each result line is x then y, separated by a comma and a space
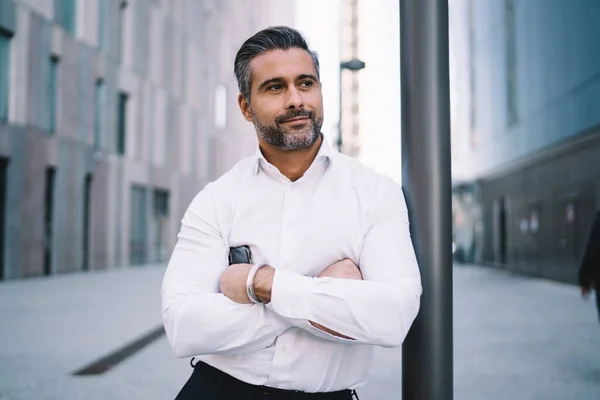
307, 76
281, 80
269, 82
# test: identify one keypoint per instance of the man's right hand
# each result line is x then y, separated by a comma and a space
344, 269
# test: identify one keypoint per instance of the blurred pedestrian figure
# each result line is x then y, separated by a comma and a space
295, 263
589, 271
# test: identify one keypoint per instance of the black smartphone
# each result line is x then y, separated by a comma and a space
240, 255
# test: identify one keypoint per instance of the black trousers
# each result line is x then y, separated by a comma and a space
208, 383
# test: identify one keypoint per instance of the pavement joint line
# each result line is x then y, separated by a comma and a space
111, 360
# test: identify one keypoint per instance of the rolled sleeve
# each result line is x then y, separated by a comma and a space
198, 319
377, 310
290, 295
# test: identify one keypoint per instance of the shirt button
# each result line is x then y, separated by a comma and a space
289, 225
283, 348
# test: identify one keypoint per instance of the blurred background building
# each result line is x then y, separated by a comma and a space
349, 80
370, 93
525, 84
113, 115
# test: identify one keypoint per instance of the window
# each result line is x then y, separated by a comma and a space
122, 26
102, 10
195, 137
161, 203
4, 71
168, 131
141, 32
472, 79
567, 227
534, 221
99, 114
52, 94
570, 213
220, 107
511, 62
122, 122
66, 14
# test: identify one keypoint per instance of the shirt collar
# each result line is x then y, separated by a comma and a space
325, 155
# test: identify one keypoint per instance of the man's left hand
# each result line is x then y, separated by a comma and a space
233, 283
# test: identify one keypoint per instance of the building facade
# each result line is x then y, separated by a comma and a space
113, 115
525, 95
349, 118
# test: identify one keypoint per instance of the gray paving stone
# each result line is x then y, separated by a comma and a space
515, 338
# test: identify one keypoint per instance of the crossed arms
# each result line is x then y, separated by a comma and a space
378, 309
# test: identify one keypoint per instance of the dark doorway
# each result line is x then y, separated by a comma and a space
49, 219
502, 231
161, 220
568, 217
138, 228
87, 190
3, 171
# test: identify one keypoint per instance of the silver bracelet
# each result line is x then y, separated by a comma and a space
250, 282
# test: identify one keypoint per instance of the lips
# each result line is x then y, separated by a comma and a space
296, 119
295, 116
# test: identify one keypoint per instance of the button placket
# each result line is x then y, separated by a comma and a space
284, 229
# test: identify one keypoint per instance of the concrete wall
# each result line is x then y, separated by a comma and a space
557, 89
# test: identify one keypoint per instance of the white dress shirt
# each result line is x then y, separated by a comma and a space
338, 209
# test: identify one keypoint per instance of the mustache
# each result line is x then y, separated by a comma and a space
294, 114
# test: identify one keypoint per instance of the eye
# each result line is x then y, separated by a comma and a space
274, 88
307, 83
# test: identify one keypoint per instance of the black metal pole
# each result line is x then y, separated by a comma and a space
426, 177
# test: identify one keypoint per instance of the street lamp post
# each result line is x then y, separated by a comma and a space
352, 65
427, 352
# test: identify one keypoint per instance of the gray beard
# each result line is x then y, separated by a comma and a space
290, 138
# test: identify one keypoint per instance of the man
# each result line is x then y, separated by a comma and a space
589, 271
334, 268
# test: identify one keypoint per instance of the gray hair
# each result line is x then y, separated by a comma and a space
272, 38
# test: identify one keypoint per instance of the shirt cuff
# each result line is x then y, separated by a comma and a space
324, 335
290, 294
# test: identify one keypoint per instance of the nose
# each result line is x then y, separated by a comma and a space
294, 99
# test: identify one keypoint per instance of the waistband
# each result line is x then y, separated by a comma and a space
208, 370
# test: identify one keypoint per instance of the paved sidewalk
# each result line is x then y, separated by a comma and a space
54, 326
515, 338
523, 338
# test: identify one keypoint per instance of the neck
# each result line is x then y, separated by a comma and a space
291, 163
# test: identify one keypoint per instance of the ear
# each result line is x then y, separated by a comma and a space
245, 108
